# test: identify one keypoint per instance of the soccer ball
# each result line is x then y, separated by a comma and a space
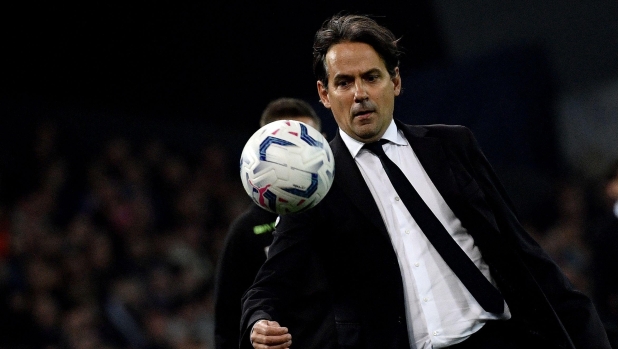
287, 166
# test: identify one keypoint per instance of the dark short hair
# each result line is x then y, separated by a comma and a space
285, 107
354, 28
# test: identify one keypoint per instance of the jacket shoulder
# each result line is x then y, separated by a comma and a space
437, 130
448, 133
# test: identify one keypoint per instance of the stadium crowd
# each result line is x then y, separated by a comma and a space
113, 250
117, 248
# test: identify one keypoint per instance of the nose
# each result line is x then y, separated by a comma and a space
360, 94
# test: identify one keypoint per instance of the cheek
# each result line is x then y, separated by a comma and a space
338, 101
387, 99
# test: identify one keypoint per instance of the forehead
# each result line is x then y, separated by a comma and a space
352, 58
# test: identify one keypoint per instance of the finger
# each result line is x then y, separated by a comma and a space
269, 328
262, 346
272, 339
263, 342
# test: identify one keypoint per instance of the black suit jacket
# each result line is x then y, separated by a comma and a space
337, 259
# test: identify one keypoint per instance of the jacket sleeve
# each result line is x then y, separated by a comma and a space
574, 309
290, 272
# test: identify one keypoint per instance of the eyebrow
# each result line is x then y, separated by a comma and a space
370, 71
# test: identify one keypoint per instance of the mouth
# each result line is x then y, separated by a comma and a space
365, 113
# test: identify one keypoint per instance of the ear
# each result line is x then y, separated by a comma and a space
323, 93
397, 82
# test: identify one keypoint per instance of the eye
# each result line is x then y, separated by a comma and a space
372, 77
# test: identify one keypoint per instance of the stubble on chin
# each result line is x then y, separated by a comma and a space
365, 132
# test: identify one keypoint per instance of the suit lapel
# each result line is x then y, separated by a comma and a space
351, 181
432, 157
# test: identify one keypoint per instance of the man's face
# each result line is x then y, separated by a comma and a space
361, 93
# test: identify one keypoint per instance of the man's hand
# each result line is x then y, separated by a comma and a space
268, 334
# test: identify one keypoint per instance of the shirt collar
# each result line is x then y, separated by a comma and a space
391, 134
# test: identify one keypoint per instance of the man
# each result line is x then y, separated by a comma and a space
422, 253
248, 238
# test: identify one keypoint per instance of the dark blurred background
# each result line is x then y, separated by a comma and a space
121, 126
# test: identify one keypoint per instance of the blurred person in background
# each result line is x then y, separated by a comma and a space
605, 254
249, 236
566, 241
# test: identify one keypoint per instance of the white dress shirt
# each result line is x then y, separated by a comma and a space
440, 311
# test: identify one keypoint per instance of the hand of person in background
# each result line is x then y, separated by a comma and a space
268, 334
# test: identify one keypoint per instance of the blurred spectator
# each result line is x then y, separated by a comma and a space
605, 255
566, 240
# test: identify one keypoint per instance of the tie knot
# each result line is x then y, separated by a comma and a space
376, 147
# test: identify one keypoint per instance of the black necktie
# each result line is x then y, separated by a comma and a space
481, 289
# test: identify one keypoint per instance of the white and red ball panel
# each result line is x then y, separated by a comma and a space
287, 166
